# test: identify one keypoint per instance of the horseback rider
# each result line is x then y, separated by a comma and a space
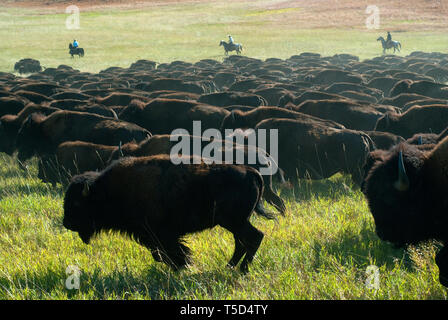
230, 39
75, 44
389, 37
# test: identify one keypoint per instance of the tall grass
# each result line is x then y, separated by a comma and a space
320, 250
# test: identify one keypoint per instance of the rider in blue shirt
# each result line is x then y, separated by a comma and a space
75, 44
230, 39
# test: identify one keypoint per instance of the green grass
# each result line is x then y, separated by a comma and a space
320, 250
186, 32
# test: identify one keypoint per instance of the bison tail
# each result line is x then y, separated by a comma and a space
259, 208
275, 200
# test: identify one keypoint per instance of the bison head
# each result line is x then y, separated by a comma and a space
396, 196
77, 214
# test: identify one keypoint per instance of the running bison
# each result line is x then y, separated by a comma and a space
157, 203
10, 125
249, 119
425, 119
40, 135
406, 190
311, 150
165, 144
162, 116
74, 157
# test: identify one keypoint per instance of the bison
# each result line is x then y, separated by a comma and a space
74, 157
308, 95
173, 84
425, 119
422, 87
157, 203
384, 140
162, 116
10, 125
329, 76
41, 135
403, 99
352, 115
249, 119
164, 144
427, 138
11, 105
406, 191
316, 151
228, 98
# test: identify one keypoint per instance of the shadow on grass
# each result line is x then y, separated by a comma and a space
159, 282
360, 248
363, 249
155, 282
31, 285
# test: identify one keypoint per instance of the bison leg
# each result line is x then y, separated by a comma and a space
357, 176
247, 240
149, 243
238, 253
175, 254
251, 239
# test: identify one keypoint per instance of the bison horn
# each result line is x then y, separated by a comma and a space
386, 116
85, 190
119, 150
420, 140
402, 184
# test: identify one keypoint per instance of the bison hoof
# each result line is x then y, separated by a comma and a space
244, 268
230, 266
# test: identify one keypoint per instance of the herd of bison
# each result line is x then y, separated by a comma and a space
106, 137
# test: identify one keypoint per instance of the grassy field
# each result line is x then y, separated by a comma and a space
190, 32
320, 250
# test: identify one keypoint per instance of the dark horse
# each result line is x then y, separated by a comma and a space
231, 47
78, 51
